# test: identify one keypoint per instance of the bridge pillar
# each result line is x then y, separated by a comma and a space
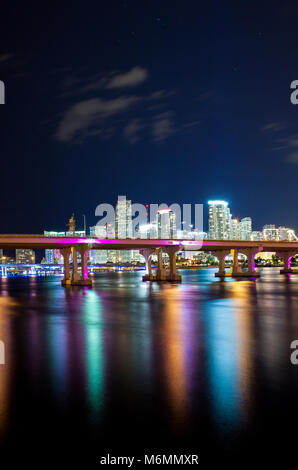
84, 280
171, 251
65, 252
236, 269
286, 256
250, 253
161, 274
220, 255
147, 253
75, 273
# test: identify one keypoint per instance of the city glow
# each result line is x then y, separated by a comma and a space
217, 203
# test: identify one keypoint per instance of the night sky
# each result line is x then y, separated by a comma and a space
165, 101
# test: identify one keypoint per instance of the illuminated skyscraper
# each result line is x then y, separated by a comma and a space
270, 232
256, 236
235, 229
123, 227
219, 220
245, 228
166, 224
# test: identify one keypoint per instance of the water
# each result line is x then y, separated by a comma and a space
130, 368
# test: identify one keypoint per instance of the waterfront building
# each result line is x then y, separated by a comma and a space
270, 232
235, 229
245, 228
219, 220
25, 256
1, 255
256, 236
286, 234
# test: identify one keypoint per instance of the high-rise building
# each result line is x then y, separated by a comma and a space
123, 227
235, 229
166, 224
25, 256
270, 232
256, 236
1, 255
219, 220
245, 228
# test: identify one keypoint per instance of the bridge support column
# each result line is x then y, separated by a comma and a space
286, 256
161, 274
65, 252
147, 253
220, 255
250, 253
75, 273
84, 280
171, 251
236, 269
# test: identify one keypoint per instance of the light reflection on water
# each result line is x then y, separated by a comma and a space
203, 346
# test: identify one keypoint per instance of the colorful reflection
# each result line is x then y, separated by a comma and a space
174, 351
94, 351
222, 360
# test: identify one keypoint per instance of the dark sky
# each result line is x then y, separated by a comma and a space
161, 101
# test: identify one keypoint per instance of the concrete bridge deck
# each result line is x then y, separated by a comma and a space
16, 241
148, 247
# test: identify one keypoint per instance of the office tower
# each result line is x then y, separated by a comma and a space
245, 228
256, 236
123, 227
270, 232
25, 256
166, 224
219, 220
235, 229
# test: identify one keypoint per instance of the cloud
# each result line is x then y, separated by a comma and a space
289, 144
5, 57
273, 126
135, 76
191, 124
163, 126
86, 115
131, 131
161, 94
293, 157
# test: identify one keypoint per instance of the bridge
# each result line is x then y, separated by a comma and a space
148, 247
